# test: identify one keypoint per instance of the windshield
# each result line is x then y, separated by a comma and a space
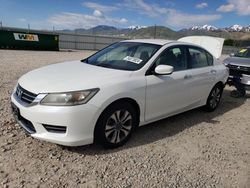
124, 55
244, 52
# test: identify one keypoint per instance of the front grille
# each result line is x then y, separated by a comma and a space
238, 70
24, 95
55, 129
27, 125
233, 72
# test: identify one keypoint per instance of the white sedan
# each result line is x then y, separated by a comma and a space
104, 97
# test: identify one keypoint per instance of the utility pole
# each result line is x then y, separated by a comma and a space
1, 24
28, 27
155, 32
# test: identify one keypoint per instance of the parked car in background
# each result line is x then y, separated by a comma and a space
239, 66
131, 83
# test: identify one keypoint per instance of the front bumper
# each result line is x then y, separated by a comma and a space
79, 122
244, 79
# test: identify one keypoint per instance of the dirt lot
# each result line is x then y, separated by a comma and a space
194, 149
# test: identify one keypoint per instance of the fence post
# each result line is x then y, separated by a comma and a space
95, 42
75, 40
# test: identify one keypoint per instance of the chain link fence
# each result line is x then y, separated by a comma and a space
87, 42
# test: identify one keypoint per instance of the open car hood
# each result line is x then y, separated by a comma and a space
213, 45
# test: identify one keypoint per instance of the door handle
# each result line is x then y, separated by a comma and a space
213, 71
187, 76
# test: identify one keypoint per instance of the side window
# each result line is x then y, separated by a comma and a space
175, 57
198, 57
210, 59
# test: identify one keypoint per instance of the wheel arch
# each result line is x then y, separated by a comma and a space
132, 101
206, 107
220, 83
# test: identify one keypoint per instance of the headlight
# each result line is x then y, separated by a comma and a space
69, 98
225, 63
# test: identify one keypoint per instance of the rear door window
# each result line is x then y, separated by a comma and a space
199, 58
210, 59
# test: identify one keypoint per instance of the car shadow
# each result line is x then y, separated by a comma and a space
168, 127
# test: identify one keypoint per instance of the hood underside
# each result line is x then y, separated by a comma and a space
213, 45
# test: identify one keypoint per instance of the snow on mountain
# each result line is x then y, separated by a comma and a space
204, 27
235, 27
209, 27
247, 29
137, 27
195, 28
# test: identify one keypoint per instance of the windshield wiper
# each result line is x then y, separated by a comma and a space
85, 60
104, 65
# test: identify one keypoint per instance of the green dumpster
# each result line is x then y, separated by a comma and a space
15, 39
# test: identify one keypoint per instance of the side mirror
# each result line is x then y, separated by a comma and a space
231, 55
164, 69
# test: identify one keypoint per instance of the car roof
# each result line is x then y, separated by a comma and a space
161, 42
213, 45
151, 41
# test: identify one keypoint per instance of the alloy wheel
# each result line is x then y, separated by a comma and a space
215, 97
118, 126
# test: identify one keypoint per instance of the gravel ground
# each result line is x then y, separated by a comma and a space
193, 149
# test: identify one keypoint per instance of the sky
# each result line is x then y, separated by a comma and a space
175, 14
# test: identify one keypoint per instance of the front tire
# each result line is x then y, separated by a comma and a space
115, 125
213, 99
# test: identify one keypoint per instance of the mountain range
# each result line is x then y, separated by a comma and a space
233, 28
233, 32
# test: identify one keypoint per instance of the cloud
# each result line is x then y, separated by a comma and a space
68, 20
171, 16
72, 20
179, 19
241, 7
141, 7
226, 8
97, 13
22, 19
201, 5
100, 7
123, 21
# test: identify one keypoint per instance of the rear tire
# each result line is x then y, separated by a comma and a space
115, 125
213, 99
